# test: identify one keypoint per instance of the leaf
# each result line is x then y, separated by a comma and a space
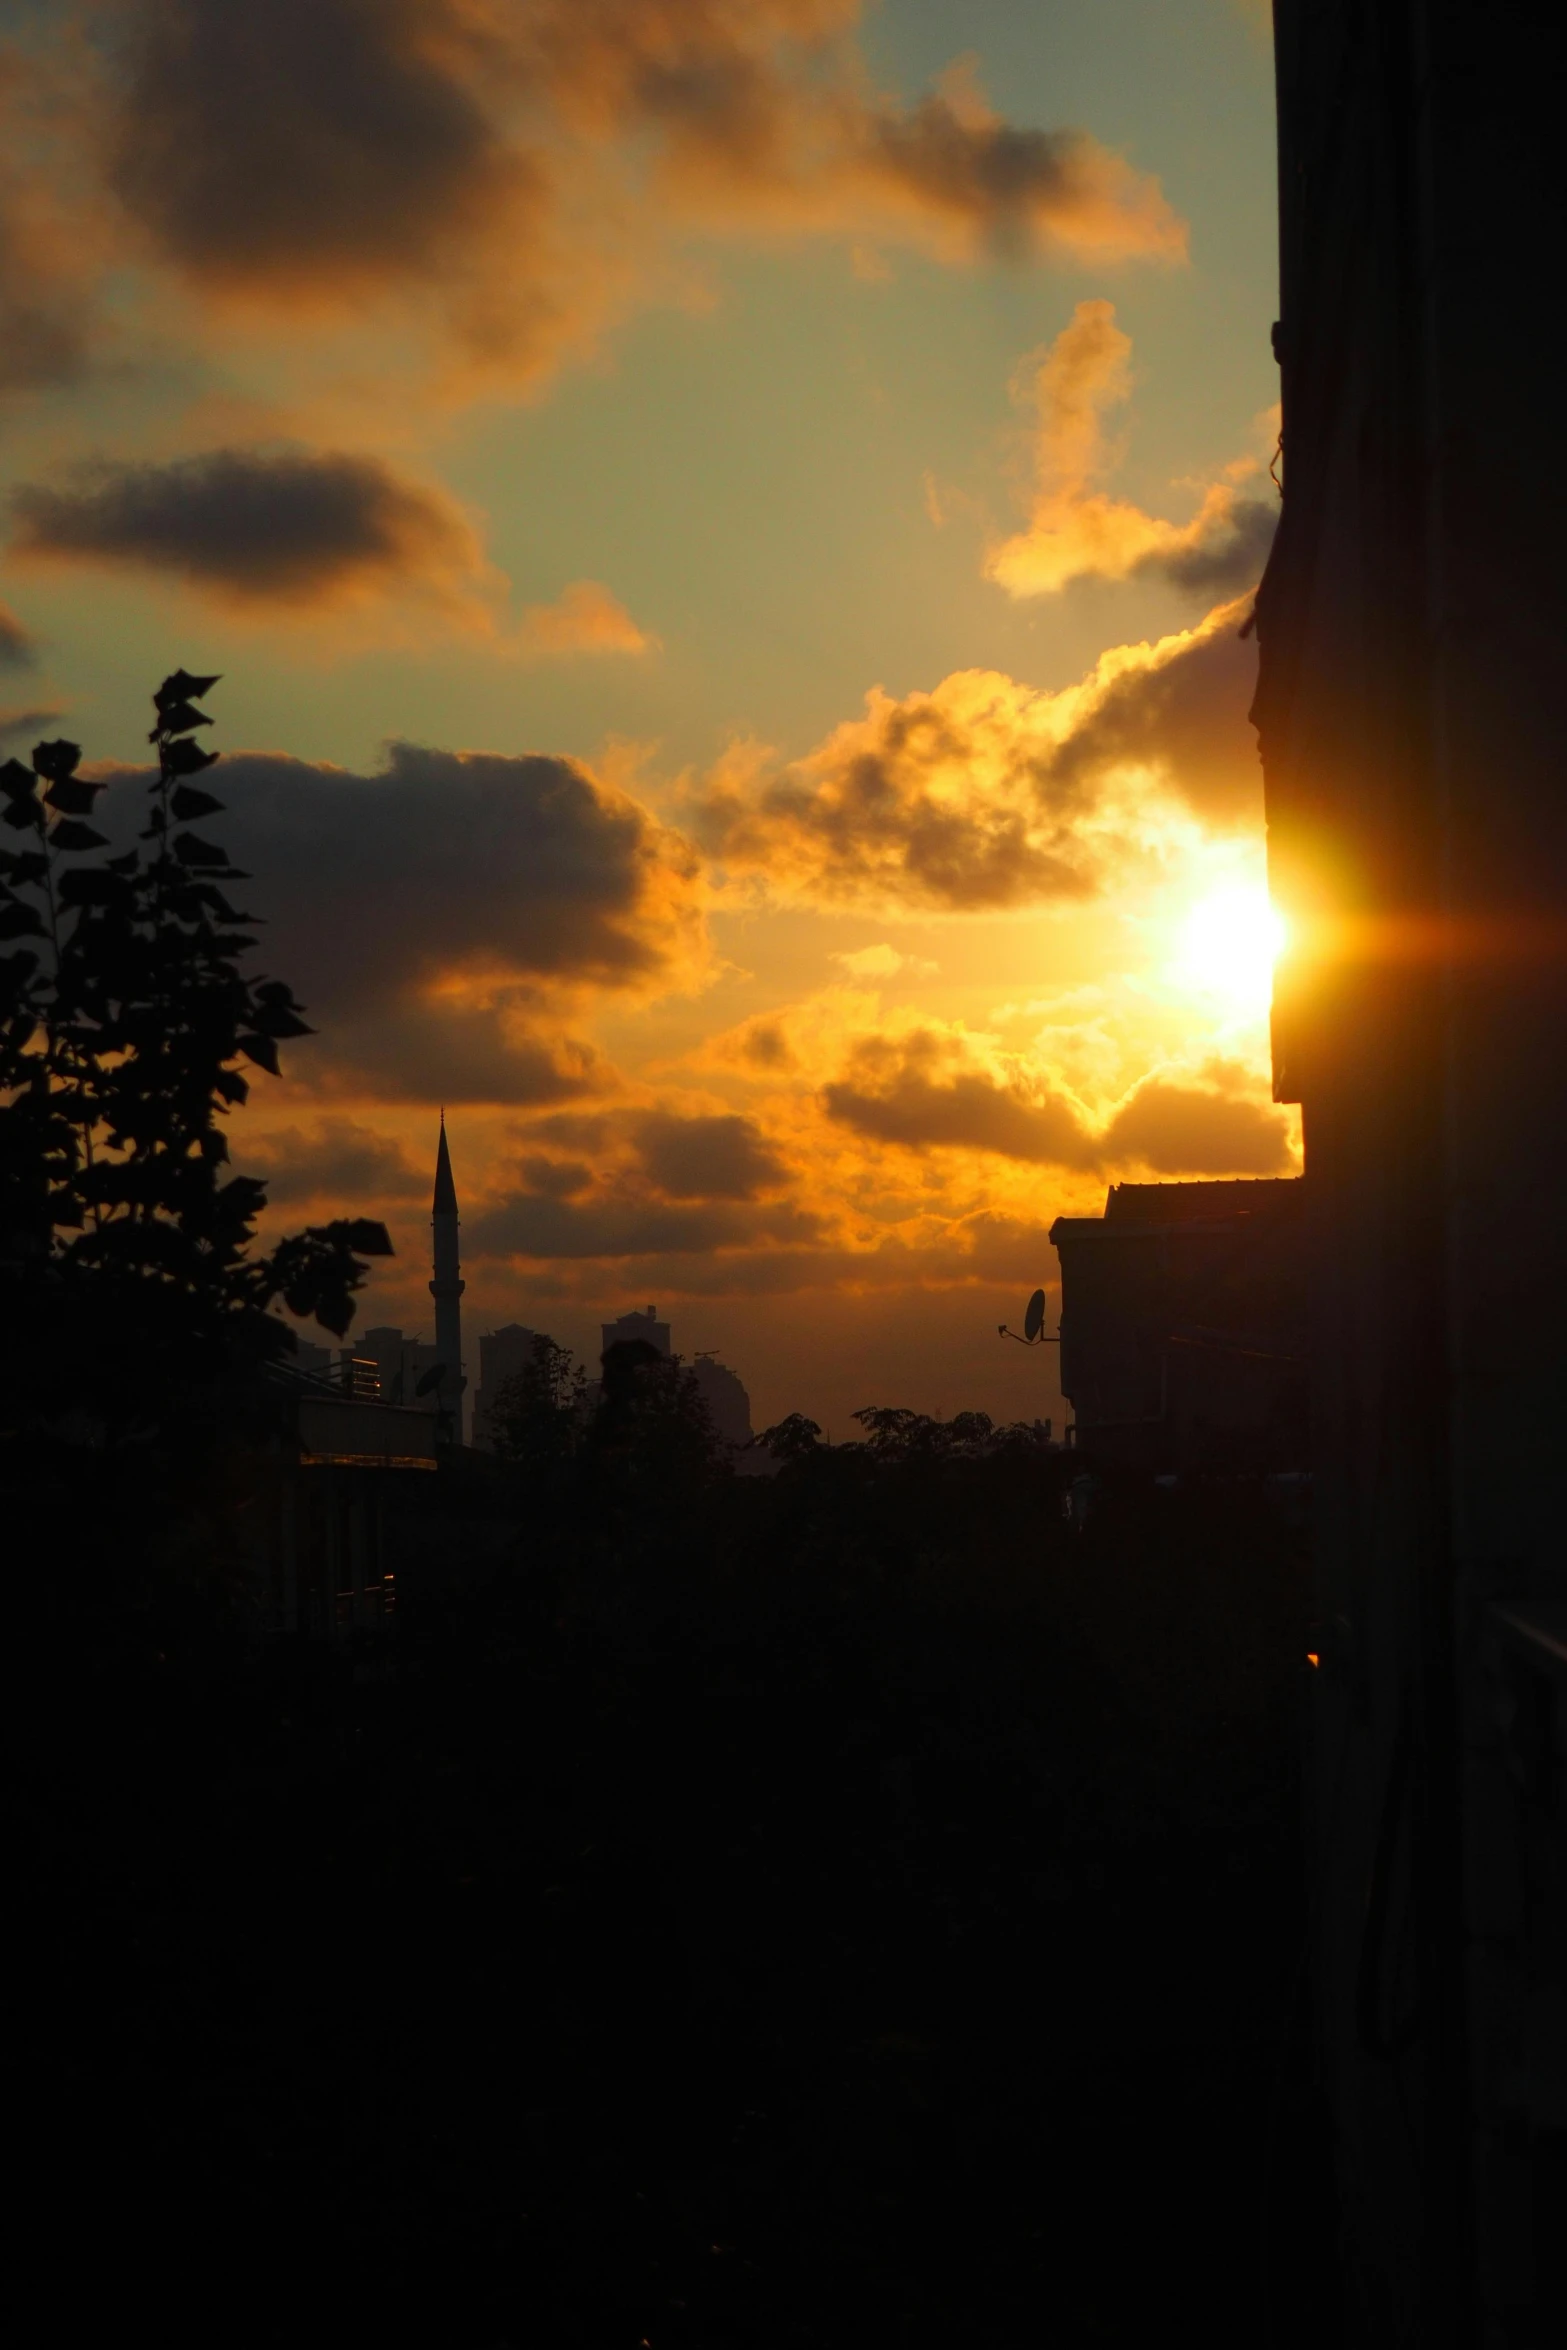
367, 1238
180, 717
17, 781
88, 885
180, 688
275, 1020
72, 796
188, 758
57, 759
212, 898
26, 815
262, 1051
19, 921
230, 1084
191, 850
69, 834
188, 802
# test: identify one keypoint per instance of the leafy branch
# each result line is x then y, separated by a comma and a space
127, 1019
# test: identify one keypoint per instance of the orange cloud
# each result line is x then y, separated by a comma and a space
17, 650
52, 240
928, 1088
585, 618
508, 179
987, 793
339, 1160
1076, 529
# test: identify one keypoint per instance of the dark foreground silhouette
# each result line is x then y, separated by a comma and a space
846, 1909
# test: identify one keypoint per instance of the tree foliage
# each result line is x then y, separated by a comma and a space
539, 1416
127, 1019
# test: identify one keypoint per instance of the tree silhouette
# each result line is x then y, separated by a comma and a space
127, 1248
540, 1415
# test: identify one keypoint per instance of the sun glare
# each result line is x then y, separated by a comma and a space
1230, 942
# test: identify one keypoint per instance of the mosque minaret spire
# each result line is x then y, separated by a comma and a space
448, 1285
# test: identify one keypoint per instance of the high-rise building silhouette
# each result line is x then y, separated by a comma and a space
723, 1392
503, 1354
646, 1327
447, 1286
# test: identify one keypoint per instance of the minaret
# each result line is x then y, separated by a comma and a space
448, 1286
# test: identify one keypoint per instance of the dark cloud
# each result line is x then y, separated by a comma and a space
539, 1225
764, 1045
1018, 188
336, 1160
17, 650
908, 1092
408, 1048
308, 145
570, 1130
281, 527
1230, 561
510, 161
554, 1178
1182, 710
1186, 1130
438, 919
916, 1092
707, 1158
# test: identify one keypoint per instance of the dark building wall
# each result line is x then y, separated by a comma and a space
1409, 716
1183, 1326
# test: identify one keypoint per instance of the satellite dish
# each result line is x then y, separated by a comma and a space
1033, 1333
431, 1380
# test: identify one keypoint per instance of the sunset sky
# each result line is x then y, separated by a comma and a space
725, 526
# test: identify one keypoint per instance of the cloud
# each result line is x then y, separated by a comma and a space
1076, 530
908, 1091
782, 125
986, 793
924, 1090
883, 962
337, 1160
1177, 708
282, 529
28, 718
442, 918
50, 246
940, 800
17, 650
543, 1226
586, 618
45, 335
554, 1178
505, 179
443, 1047
311, 148
1190, 1130
707, 1157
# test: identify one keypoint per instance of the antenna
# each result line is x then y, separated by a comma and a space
1033, 1325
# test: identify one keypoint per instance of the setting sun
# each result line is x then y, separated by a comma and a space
1230, 942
